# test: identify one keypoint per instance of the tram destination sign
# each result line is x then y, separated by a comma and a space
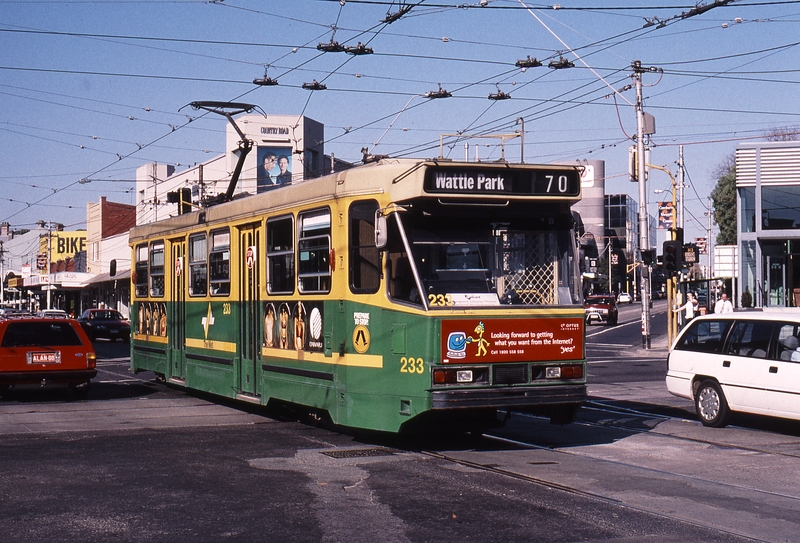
475, 181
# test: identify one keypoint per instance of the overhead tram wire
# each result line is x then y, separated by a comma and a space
459, 4
573, 52
488, 128
250, 91
486, 79
120, 156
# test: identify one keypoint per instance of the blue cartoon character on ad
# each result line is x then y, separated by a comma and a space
457, 343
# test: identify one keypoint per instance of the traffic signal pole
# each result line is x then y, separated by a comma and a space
644, 225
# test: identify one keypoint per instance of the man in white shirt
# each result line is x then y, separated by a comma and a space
723, 305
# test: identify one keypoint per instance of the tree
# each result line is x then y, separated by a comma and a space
724, 194
723, 199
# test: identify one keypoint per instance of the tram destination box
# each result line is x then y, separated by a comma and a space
485, 181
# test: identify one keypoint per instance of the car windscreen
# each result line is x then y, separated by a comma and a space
40, 334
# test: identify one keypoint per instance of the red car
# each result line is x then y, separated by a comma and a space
601, 308
45, 351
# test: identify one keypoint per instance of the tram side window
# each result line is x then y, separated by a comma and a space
157, 269
141, 279
280, 255
314, 249
198, 265
365, 260
219, 261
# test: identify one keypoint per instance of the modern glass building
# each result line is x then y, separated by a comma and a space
768, 222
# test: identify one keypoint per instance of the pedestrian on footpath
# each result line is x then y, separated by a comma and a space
687, 308
723, 305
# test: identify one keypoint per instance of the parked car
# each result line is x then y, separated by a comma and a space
601, 308
53, 313
44, 351
738, 362
105, 323
7, 313
625, 298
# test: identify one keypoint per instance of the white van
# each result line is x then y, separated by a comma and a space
747, 362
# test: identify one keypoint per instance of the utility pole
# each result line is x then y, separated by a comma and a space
708, 240
680, 184
2, 275
644, 225
49, 260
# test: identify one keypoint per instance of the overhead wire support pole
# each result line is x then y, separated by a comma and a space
644, 225
672, 317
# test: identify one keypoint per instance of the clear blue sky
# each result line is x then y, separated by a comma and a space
93, 89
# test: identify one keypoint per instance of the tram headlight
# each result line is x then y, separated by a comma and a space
464, 376
564, 372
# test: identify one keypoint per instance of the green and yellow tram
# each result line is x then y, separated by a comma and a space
390, 294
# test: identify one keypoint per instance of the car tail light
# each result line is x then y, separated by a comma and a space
91, 360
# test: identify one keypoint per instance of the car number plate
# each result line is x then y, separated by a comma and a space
44, 358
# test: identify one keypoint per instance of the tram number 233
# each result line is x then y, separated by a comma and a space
440, 300
412, 365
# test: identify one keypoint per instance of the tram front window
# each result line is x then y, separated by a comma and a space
478, 262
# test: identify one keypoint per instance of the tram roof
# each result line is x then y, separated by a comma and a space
403, 177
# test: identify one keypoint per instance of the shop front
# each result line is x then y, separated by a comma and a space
768, 203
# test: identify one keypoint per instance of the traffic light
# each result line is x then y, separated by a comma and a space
182, 197
673, 257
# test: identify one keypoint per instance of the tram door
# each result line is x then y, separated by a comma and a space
249, 308
176, 313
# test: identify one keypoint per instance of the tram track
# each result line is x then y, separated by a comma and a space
658, 471
578, 491
618, 410
616, 465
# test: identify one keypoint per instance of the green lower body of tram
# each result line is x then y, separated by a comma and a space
365, 367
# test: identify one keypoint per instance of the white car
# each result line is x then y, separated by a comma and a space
738, 362
625, 298
54, 313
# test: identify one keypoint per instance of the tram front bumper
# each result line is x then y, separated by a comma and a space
509, 397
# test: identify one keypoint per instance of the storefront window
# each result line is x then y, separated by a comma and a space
780, 207
747, 196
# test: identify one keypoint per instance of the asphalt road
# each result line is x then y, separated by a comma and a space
139, 461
